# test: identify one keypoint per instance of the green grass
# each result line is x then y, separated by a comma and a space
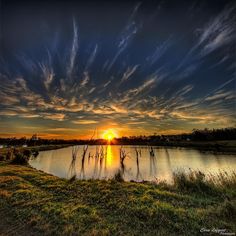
35, 203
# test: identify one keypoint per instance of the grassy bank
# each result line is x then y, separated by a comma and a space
32, 149
32, 202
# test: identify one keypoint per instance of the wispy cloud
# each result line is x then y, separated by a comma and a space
8, 113
159, 51
91, 58
220, 95
59, 129
54, 116
129, 72
147, 85
85, 79
48, 74
126, 36
84, 122
74, 49
127, 82
136, 123
219, 31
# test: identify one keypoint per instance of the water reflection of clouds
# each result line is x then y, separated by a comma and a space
104, 162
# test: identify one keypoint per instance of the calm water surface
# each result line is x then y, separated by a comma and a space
150, 165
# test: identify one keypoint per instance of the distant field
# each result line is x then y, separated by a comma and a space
225, 146
35, 203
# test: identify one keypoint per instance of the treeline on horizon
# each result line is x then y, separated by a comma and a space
155, 139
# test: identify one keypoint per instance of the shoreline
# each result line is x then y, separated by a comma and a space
227, 147
3, 151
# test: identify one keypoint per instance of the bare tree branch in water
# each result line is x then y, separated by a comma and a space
85, 149
72, 169
152, 161
138, 154
123, 155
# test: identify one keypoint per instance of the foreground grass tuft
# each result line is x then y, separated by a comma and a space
35, 203
198, 182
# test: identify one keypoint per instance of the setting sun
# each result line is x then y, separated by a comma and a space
109, 135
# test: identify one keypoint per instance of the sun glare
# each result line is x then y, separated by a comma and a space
109, 135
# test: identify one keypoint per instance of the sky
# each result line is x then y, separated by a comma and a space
135, 67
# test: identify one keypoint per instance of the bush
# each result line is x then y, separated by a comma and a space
9, 155
73, 178
35, 153
20, 158
118, 176
2, 158
27, 153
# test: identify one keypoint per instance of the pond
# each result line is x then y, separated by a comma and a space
140, 162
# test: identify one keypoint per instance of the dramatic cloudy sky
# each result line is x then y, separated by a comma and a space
68, 67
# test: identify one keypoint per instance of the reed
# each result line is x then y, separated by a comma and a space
198, 182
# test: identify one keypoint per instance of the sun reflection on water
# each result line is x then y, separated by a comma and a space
109, 156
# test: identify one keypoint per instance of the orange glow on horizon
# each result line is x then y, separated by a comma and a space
86, 135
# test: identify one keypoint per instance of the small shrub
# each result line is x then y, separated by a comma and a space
35, 153
118, 176
2, 158
20, 158
9, 155
73, 178
27, 153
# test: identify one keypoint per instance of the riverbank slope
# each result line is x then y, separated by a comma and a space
35, 203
